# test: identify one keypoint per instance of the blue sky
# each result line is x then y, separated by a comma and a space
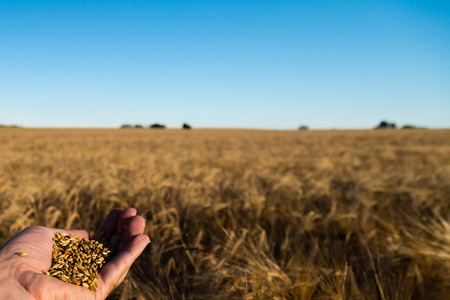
241, 64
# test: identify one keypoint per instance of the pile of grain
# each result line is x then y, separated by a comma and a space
78, 261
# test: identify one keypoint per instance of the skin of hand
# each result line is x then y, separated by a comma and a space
22, 277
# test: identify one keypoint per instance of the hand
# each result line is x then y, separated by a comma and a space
22, 277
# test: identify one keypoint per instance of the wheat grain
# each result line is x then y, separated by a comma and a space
78, 261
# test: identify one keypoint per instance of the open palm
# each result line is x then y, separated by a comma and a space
21, 277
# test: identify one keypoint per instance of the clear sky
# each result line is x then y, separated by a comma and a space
243, 64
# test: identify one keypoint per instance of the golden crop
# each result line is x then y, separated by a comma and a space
247, 214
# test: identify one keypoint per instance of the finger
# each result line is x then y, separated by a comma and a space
109, 224
124, 218
126, 215
135, 226
113, 273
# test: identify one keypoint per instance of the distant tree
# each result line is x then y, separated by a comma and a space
385, 124
409, 126
126, 126
303, 127
186, 126
138, 126
9, 126
157, 126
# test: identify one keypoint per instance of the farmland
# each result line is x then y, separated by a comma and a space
247, 214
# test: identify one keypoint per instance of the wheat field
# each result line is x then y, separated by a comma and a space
247, 214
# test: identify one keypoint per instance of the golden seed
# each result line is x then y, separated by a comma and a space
78, 261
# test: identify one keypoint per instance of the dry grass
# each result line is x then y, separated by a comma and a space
243, 214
